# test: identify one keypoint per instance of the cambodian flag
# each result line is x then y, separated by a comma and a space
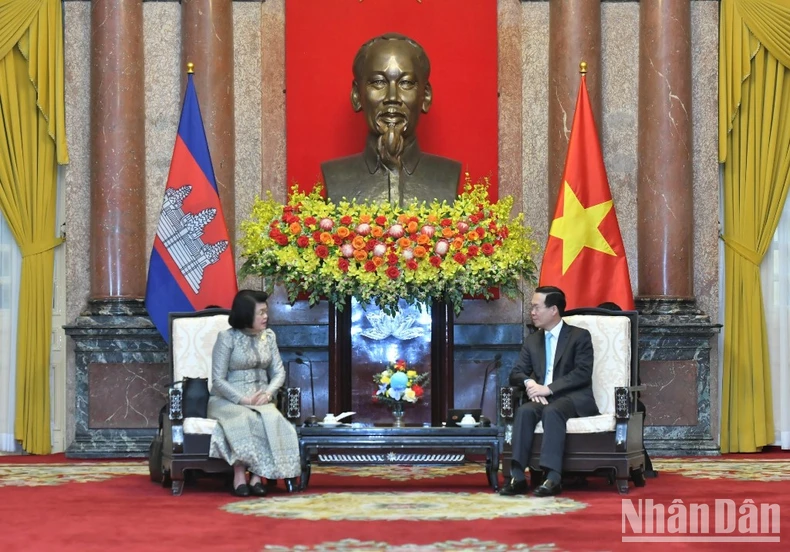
191, 263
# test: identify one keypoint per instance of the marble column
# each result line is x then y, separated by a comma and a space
207, 41
118, 248
664, 183
574, 36
121, 361
675, 336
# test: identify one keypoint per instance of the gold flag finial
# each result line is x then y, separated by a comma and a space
190, 68
583, 68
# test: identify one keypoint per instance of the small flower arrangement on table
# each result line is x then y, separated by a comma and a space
398, 384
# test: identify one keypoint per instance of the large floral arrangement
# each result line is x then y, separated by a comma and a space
381, 253
397, 384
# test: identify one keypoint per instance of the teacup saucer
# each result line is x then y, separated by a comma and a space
469, 425
330, 424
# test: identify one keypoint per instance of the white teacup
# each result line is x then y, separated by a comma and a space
330, 419
467, 420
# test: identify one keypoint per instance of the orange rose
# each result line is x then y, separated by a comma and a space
473, 235
420, 252
376, 231
411, 227
378, 261
326, 238
295, 228
432, 218
358, 242
360, 255
343, 232
404, 243
423, 239
364, 218
403, 218
458, 243
447, 232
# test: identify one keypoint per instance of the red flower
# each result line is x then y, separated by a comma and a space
488, 249
460, 258
473, 251
392, 259
309, 221
337, 239
370, 266
418, 392
303, 241
446, 222
281, 240
381, 220
370, 245
342, 264
317, 236
346, 220
504, 232
322, 251
436, 261
274, 233
393, 272
411, 264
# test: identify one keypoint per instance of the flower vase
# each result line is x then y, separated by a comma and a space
397, 412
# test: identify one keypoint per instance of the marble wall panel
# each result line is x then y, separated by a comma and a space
126, 395
163, 98
535, 121
247, 77
671, 398
618, 127
76, 176
704, 70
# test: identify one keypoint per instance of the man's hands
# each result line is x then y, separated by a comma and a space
259, 398
537, 392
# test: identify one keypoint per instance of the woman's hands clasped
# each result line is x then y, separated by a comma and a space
259, 398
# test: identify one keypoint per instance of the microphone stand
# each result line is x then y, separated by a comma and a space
312, 420
491, 367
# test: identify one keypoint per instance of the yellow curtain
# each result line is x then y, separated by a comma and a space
754, 146
32, 143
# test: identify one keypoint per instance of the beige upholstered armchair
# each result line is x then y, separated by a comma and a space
186, 440
611, 443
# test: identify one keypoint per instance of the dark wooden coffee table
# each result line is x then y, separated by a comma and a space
351, 446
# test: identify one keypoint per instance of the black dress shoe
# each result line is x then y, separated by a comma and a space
291, 485
242, 490
549, 488
514, 488
258, 489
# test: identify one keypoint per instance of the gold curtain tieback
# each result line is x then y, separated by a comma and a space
745, 252
40, 247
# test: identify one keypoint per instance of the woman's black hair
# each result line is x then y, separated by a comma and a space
242, 313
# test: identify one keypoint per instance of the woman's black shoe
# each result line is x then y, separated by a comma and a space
291, 485
258, 489
242, 490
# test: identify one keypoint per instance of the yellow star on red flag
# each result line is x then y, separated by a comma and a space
578, 227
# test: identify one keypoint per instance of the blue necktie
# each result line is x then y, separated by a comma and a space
549, 360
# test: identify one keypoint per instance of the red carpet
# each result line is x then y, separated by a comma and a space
49, 503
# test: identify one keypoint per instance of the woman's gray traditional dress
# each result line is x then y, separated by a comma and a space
257, 436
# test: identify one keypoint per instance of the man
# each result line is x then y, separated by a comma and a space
555, 368
391, 87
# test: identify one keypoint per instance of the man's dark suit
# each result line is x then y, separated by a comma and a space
571, 396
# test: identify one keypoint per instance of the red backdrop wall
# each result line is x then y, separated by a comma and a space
321, 39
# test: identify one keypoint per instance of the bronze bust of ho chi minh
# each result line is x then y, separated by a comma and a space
391, 87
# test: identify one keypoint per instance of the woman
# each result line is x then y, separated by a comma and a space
246, 373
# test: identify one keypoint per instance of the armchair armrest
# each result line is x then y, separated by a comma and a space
175, 418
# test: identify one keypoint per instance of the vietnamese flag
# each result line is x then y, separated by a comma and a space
585, 256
